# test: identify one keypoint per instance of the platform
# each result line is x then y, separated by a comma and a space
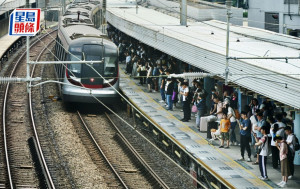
240, 174
6, 42
203, 45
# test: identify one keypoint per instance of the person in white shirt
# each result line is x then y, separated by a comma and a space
233, 123
275, 151
186, 102
263, 144
253, 120
291, 142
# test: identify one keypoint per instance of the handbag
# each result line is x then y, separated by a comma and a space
174, 96
194, 109
237, 114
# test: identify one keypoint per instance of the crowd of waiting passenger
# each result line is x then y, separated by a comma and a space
262, 127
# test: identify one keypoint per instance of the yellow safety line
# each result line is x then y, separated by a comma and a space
212, 145
199, 136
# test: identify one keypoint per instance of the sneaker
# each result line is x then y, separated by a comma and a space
280, 183
235, 143
241, 159
264, 178
161, 101
283, 184
290, 177
249, 160
226, 147
221, 146
181, 110
260, 177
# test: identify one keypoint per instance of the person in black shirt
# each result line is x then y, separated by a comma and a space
169, 93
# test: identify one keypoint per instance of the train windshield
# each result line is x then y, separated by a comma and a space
110, 67
90, 73
75, 69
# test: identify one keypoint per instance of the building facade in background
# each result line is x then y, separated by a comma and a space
281, 16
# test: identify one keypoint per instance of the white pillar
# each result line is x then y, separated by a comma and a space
183, 13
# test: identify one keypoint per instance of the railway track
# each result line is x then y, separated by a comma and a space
22, 160
108, 140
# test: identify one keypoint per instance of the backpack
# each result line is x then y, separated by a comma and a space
190, 95
297, 145
290, 153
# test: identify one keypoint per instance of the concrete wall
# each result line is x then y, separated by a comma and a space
258, 8
213, 13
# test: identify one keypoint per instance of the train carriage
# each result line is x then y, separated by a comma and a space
78, 39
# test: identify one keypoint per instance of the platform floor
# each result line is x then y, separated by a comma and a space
241, 174
6, 41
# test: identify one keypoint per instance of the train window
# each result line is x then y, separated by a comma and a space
92, 52
75, 68
110, 66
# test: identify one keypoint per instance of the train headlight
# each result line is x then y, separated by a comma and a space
75, 78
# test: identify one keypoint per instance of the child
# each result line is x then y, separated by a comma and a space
224, 127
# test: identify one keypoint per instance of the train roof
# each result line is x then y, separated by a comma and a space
73, 19
86, 1
80, 34
74, 11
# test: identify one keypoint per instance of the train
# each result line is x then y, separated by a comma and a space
79, 39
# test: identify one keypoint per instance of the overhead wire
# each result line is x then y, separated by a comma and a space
98, 100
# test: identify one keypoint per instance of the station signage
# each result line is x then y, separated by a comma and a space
24, 22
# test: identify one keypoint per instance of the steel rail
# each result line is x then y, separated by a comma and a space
137, 155
101, 151
4, 113
44, 164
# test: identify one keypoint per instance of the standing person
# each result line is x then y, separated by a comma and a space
143, 73
169, 93
232, 118
253, 120
201, 106
254, 105
186, 104
274, 149
128, 62
291, 142
224, 127
161, 83
258, 135
175, 92
245, 131
149, 77
281, 125
283, 149
155, 79
134, 72
264, 145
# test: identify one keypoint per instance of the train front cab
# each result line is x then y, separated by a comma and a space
81, 74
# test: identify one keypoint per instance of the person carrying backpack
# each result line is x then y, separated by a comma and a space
293, 143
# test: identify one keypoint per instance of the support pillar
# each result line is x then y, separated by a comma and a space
183, 13
297, 133
239, 94
209, 84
